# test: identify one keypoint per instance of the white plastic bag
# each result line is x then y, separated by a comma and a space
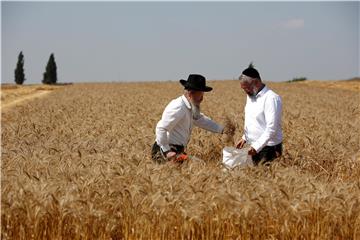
233, 157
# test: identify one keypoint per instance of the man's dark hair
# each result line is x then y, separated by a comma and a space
251, 72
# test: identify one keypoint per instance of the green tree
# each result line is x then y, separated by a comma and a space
19, 70
50, 75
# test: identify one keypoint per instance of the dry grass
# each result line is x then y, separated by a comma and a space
76, 165
11, 93
351, 84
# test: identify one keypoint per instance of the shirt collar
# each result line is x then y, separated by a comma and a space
262, 92
186, 101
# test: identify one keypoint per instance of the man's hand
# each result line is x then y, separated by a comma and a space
252, 151
170, 155
241, 143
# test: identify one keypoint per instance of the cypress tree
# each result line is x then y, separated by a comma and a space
19, 70
50, 75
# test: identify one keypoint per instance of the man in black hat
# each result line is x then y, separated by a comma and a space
263, 111
180, 115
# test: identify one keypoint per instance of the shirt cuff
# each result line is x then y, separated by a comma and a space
221, 129
165, 148
257, 147
243, 137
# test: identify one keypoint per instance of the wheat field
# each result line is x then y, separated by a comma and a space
76, 165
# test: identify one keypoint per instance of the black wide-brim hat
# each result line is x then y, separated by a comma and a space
195, 82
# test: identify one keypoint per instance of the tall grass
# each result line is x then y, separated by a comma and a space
76, 165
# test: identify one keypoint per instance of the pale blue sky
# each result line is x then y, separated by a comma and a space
150, 41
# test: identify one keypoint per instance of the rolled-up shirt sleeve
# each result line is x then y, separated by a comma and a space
272, 112
208, 124
170, 117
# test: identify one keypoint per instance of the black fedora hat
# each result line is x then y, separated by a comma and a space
195, 82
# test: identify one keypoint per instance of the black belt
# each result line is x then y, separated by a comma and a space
158, 155
177, 148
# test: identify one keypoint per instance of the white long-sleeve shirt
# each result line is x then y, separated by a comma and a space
177, 122
262, 125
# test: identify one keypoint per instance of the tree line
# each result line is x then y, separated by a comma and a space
49, 76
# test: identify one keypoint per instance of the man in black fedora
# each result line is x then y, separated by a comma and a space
180, 115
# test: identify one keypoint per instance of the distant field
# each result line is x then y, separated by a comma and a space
352, 84
12, 94
76, 165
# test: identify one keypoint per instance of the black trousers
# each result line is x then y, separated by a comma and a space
267, 154
158, 156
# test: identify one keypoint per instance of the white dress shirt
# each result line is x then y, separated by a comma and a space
177, 122
262, 125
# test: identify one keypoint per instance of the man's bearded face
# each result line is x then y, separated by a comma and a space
196, 97
249, 88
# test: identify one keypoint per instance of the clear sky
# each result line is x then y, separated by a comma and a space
154, 41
